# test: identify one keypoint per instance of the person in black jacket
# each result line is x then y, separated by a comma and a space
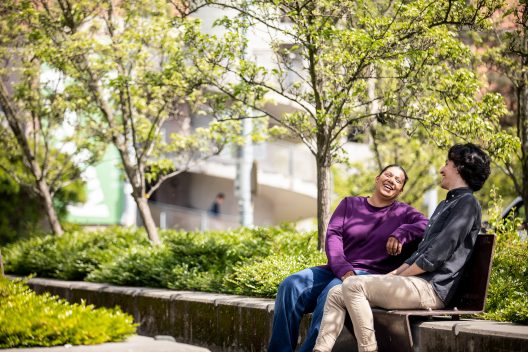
214, 210
429, 278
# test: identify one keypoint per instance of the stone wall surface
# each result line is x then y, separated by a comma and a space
231, 323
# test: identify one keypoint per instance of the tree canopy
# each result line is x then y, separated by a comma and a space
129, 66
343, 64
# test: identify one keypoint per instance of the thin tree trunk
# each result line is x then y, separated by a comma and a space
323, 201
148, 220
523, 113
53, 219
523, 135
1, 266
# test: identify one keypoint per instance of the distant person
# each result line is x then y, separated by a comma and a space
365, 236
215, 207
430, 277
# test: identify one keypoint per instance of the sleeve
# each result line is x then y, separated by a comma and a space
334, 242
413, 227
458, 224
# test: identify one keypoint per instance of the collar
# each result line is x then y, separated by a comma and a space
457, 192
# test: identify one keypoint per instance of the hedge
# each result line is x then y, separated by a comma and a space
244, 261
28, 319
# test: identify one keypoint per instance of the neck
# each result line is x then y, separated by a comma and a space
379, 202
458, 184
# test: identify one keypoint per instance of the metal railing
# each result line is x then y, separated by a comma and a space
289, 160
170, 216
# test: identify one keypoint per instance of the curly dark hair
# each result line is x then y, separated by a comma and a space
472, 163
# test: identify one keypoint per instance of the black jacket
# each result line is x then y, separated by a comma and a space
448, 241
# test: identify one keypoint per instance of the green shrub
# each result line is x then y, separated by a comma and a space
262, 277
508, 287
71, 256
28, 319
201, 261
186, 260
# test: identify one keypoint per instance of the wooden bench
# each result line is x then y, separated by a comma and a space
393, 327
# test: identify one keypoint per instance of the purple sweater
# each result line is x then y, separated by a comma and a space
358, 232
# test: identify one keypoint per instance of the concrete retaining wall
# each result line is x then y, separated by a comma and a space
235, 323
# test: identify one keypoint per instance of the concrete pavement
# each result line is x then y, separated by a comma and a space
132, 344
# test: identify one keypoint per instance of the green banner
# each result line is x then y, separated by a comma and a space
105, 193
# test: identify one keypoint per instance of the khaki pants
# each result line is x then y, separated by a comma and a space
358, 293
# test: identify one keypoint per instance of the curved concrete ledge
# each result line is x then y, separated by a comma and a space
228, 323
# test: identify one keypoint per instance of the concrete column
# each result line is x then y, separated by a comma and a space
243, 180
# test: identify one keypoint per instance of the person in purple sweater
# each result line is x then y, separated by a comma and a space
365, 235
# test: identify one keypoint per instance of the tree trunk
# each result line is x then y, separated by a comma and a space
42, 188
323, 200
522, 113
1, 266
53, 219
148, 220
523, 134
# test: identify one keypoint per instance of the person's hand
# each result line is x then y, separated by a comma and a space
394, 246
400, 270
347, 274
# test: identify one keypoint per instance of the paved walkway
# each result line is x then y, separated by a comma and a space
133, 344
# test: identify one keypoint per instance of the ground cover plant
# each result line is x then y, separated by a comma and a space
508, 287
244, 261
28, 319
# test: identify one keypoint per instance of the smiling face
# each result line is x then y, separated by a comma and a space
389, 184
450, 176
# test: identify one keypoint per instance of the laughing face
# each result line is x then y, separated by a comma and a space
390, 183
450, 175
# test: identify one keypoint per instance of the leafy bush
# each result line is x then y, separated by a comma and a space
28, 319
71, 256
262, 277
509, 283
20, 210
207, 261
199, 260
244, 261
508, 287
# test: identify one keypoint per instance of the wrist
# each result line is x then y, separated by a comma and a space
347, 274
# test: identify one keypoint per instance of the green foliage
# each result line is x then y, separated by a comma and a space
69, 257
45, 140
350, 64
28, 319
20, 208
19, 211
245, 261
201, 261
210, 261
262, 277
509, 282
120, 72
508, 287
505, 52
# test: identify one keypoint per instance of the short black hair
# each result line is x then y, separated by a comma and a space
399, 167
472, 163
220, 195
